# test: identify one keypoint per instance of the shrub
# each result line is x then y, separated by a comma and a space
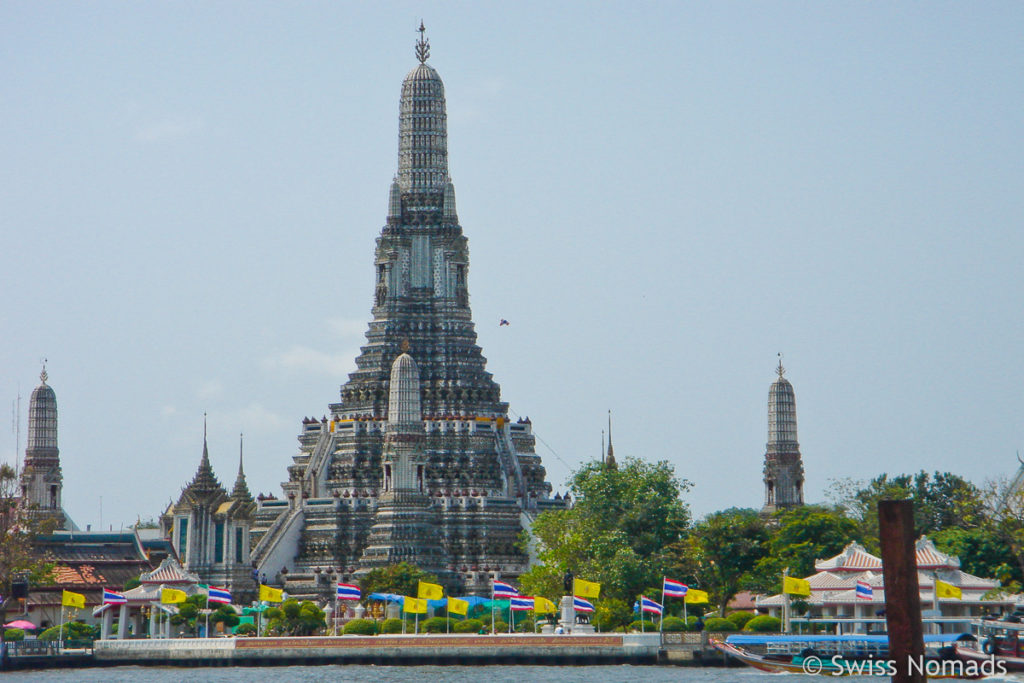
500, 626
74, 630
360, 627
647, 625
719, 625
467, 626
764, 624
673, 625
434, 625
246, 630
740, 619
14, 634
391, 626
691, 623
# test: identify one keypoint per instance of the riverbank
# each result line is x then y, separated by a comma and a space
440, 649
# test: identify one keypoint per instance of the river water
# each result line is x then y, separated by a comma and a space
404, 674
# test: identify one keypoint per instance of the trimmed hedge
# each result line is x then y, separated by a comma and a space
74, 630
740, 618
246, 630
434, 625
12, 634
500, 626
360, 627
719, 625
673, 625
391, 626
467, 626
764, 624
648, 626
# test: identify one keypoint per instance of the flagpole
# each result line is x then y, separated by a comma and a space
492, 607
663, 605
785, 602
641, 601
61, 631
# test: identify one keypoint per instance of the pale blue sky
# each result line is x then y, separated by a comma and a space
658, 196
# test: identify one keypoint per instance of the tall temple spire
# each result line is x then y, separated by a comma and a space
241, 490
420, 444
41, 477
610, 458
783, 466
204, 481
423, 131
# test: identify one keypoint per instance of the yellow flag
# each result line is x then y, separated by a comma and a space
796, 586
414, 606
171, 596
268, 594
544, 606
585, 589
456, 606
429, 591
69, 599
947, 590
694, 596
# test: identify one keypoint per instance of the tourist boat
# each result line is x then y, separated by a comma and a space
992, 639
831, 655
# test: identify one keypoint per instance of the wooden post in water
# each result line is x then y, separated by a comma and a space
902, 597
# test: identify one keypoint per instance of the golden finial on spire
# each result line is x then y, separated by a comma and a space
42, 375
781, 370
422, 46
405, 346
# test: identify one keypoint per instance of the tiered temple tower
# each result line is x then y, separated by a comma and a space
210, 529
478, 470
41, 478
783, 468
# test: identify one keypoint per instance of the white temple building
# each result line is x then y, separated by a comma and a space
834, 591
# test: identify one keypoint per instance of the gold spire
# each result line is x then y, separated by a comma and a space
781, 370
422, 46
42, 375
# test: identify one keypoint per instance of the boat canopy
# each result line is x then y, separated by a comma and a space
773, 639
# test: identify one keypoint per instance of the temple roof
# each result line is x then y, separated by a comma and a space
204, 484
855, 558
169, 571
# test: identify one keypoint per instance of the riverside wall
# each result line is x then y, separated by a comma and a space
385, 650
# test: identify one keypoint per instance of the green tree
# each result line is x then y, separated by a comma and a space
294, 618
401, 578
17, 532
188, 613
799, 536
616, 533
981, 551
721, 554
941, 501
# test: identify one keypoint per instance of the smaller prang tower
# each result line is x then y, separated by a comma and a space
783, 467
41, 477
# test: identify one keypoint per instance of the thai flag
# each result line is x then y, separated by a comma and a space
521, 603
220, 595
503, 590
648, 605
864, 591
113, 597
582, 605
674, 589
346, 591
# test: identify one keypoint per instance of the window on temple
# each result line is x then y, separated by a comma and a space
183, 538
218, 542
238, 545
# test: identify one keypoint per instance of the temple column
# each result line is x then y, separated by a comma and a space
122, 622
107, 624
